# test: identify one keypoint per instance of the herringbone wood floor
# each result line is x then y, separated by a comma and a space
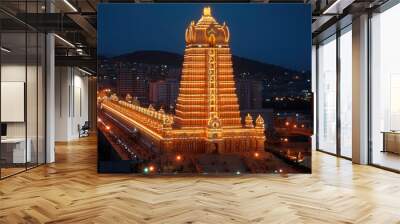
71, 191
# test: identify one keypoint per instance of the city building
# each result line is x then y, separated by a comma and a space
163, 94
158, 93
140, 86
126, 81
250, 94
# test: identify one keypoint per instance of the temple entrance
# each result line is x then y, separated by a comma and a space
213, 148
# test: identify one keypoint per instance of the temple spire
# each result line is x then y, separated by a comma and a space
207, 11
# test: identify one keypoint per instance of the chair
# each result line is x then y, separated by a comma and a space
84, 130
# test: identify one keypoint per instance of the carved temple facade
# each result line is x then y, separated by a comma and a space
207, 117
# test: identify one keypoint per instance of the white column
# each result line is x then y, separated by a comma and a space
360, 90
50, 99
50, 91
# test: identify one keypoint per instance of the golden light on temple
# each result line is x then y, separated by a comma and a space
207, 117
207, 11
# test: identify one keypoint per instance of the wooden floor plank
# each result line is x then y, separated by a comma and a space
71, 191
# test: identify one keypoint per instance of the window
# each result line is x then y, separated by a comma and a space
385, 89
327, 96
345, 43
22, 65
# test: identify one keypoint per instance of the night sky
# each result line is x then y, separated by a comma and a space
277, 34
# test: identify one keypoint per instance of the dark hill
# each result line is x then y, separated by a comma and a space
241, 65
152, 58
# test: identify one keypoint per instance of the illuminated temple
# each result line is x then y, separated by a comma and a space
207, 117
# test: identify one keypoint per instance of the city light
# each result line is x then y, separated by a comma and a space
178, 158
287, 123
99, 119
256, 154
295, 126
151, 168
146, 170
108, 128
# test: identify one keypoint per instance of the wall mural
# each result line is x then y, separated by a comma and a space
206, 89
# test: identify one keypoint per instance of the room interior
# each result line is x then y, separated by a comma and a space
22, 105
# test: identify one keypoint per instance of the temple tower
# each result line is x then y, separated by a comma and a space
207, 97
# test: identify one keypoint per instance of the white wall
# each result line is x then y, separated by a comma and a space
71, 102
12, 73
61, 112
16, 73
80, 110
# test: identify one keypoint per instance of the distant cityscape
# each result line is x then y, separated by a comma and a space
158, 84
